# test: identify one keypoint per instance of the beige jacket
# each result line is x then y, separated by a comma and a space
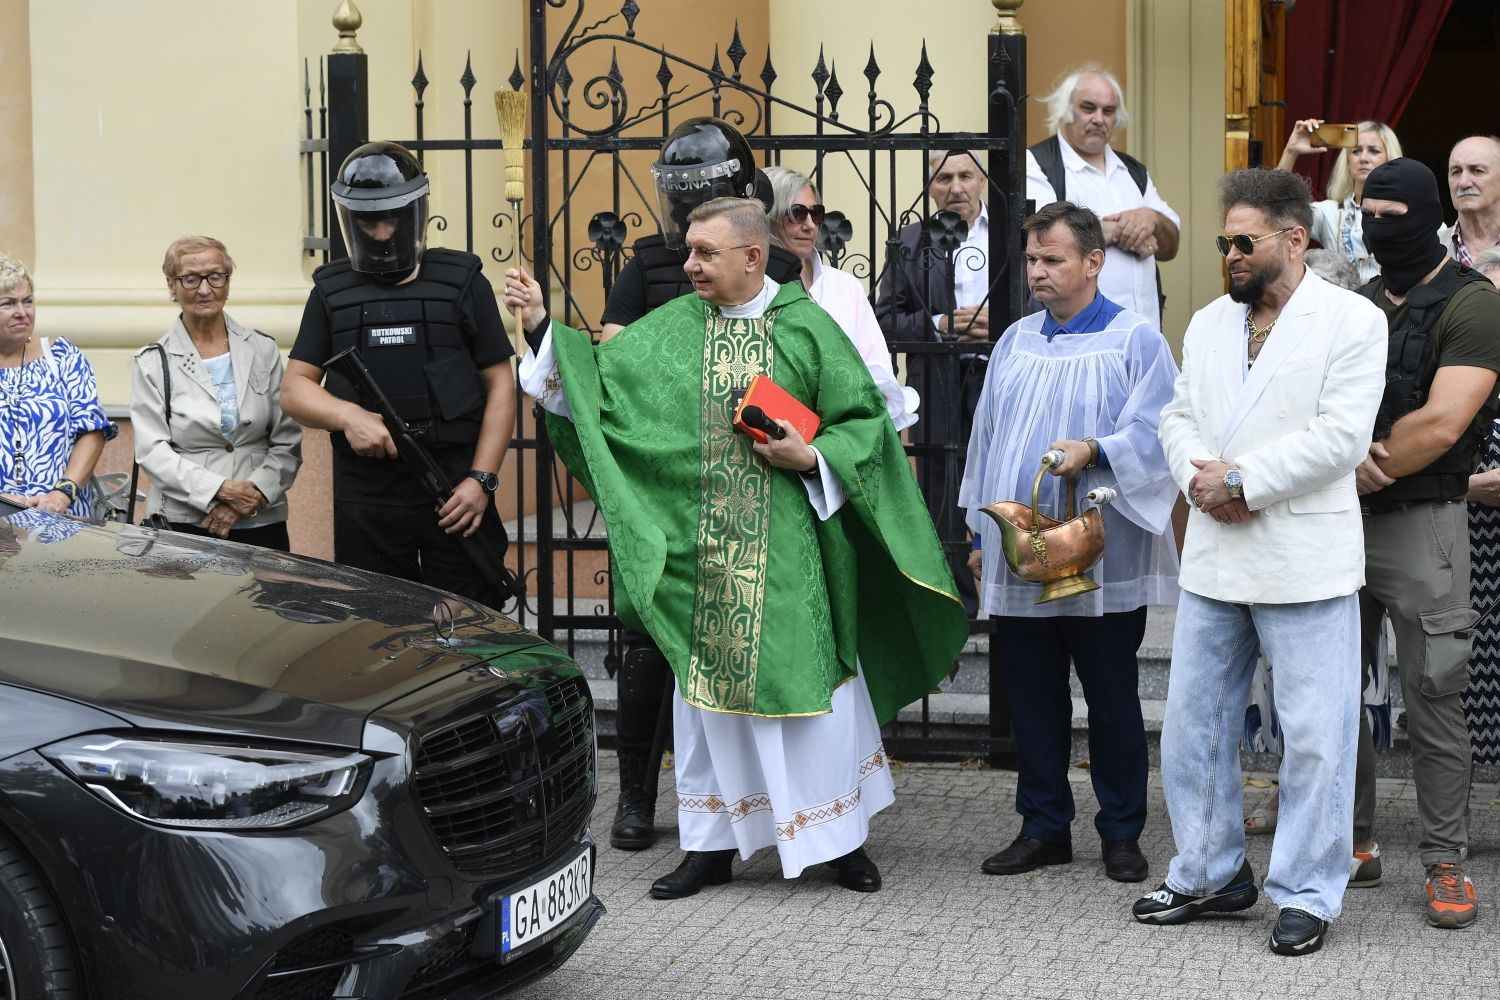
188, 462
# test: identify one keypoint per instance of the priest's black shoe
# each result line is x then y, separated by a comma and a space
698, 868
1123, 861
857, 871
1297, 932
1027, 854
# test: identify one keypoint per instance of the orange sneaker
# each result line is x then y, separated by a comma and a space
1450, 897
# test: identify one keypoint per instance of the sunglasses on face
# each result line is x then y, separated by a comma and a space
1244, 244
801, 213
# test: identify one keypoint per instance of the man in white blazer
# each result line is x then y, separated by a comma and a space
1270, 417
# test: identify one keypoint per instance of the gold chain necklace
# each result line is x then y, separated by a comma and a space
1257, 337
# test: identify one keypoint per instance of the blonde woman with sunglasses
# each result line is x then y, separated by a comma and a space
796, 216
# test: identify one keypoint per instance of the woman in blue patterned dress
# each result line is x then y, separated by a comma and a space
52, 427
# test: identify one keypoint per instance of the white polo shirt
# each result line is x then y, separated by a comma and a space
1126, 279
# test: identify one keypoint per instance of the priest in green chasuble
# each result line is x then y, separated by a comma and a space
798, 590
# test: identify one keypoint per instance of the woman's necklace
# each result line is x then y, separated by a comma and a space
1257, 337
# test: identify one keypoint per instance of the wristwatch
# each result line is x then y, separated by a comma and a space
1235, 484
488, 480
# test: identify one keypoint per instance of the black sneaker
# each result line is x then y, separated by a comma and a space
1297, 932
1164, 906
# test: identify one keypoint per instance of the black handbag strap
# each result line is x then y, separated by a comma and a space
166, 396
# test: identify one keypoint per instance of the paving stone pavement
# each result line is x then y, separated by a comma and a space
941, 929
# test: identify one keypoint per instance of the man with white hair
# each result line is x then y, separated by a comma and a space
1077, 164
1474, 183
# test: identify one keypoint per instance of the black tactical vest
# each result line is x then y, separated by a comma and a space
412, 342
661, 267
1411, 365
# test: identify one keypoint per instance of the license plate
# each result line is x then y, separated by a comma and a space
528, 914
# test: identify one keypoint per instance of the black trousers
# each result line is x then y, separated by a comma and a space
406, 542
1035, 670
268, 536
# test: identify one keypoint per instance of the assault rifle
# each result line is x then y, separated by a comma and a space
485, 551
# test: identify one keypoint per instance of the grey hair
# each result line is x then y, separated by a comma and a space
936, 157
192, 244
1060, 101
1334, 268
747, 217
786, 185
1488, 262
12, 273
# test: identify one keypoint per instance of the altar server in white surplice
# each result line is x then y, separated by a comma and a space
1090, 379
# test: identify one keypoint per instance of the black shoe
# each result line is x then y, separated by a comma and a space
635, 814
1027, 854
857, 871
1297, 932
1123, 861
698, 868
1164, 906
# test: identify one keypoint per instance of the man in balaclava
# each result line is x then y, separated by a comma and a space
1429, 433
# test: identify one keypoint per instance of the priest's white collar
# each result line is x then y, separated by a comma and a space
756, 307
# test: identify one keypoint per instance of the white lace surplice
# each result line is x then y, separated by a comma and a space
1110, 385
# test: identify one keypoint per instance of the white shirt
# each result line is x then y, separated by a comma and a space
843, 297
971, 269
1126, 279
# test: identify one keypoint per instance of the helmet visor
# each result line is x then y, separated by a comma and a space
680, 189
388, 241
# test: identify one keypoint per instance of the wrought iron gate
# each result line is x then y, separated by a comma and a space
594, 130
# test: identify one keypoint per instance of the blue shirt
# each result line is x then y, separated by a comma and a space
1094, 317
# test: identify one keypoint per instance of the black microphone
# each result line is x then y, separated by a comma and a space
754, 416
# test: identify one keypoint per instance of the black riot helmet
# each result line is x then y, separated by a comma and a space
381, 195
703, 159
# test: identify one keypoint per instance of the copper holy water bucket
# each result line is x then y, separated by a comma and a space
1040, 549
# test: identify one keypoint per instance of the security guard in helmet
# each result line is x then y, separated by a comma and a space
703, 158
428, 327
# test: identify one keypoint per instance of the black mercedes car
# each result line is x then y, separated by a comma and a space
229, 772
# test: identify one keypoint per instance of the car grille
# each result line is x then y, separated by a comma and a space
508, 787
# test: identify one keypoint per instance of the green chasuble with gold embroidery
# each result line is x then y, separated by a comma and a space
760, 607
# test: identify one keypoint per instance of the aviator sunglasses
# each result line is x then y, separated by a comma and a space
1244, 244
801, 213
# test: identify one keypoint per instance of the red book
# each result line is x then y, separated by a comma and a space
778, 404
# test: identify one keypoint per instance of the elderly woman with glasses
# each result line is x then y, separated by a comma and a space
205, 402
52, 427
1337, 220
796, 215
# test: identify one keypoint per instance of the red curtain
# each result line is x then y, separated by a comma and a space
1352, 60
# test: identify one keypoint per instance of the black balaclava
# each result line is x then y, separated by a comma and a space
1406, 246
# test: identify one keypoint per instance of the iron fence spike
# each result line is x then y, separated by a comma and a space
768, 74
736, 50
517, 78
923, 81
468, 79
631, 10
820, 72
833, 91
664, 74
872, 69
419, 79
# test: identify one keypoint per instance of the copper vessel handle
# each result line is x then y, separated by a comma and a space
1050, 459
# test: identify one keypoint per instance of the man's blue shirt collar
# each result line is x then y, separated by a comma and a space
1096, 316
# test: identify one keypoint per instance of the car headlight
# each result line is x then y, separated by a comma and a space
211, 785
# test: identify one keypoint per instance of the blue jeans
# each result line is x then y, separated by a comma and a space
1314, 648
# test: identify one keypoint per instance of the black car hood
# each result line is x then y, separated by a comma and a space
169, 630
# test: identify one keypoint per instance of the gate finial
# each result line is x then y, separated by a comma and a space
347, 20
1006, 10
